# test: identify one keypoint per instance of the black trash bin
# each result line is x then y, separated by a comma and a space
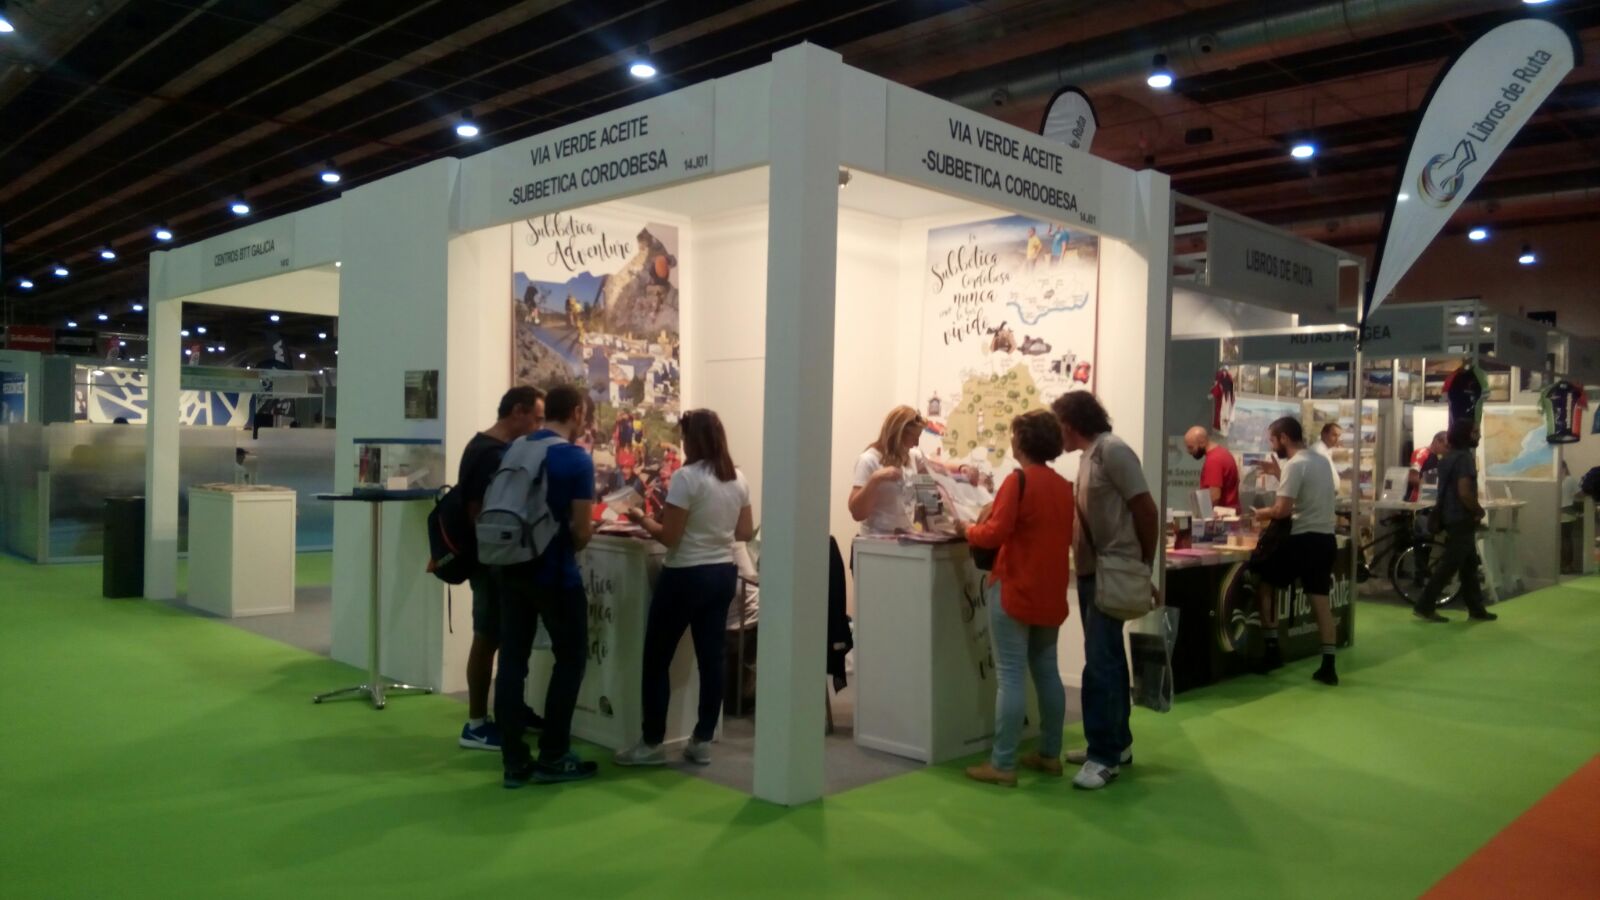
122, 574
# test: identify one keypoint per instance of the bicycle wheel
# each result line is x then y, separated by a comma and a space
1409, 576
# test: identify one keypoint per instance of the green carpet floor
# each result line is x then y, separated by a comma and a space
149, 753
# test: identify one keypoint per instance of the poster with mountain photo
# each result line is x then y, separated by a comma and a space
595, 301
1009, 320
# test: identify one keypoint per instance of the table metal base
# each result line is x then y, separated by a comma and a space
378, 696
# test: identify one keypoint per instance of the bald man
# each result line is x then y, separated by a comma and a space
1218, 471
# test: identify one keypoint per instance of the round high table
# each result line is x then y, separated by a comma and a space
376, 689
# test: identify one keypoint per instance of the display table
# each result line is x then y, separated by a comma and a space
375, 688
241, 549
1219, 617
619, 575
925, 683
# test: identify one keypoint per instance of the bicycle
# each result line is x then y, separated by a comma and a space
1413, 558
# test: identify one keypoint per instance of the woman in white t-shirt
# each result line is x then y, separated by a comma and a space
707, 512
881, 494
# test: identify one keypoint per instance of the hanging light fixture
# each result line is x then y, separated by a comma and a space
163, 233
239, 207
465, 127
5, 21
1160, 77
107, 254
329, 174
641, 67
1527, 258
1478, 234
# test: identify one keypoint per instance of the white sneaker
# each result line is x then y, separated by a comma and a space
698, 752
1081, 755
1093, 776
641, 754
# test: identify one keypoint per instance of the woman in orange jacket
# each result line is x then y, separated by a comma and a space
1030, 523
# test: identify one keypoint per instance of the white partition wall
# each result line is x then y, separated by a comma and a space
283, 264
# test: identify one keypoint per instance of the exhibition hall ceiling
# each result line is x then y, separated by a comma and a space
125, 115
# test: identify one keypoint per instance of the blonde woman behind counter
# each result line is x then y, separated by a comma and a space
881, 495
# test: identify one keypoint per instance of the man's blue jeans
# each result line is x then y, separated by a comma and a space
1020, 648
1107, 701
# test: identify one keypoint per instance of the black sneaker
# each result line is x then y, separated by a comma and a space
1482, 615
1271, 659
534, 720
567, 768
519, 776
1327, 676
1428, 615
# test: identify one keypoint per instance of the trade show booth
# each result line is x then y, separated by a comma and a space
800, 247
1236, 282
283, 265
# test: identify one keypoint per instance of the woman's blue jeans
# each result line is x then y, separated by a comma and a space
1019, 649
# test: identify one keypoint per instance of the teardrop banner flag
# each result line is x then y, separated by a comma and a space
1476, 106
1069, 118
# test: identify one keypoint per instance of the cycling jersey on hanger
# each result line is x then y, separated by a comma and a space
1563, 404
1463, 391
1222, 402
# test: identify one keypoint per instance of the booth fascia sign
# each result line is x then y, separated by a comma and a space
1265, 266
1521, 342
1401, 331
301, 240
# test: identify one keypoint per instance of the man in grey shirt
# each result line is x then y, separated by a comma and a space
1459, 514
1118, 516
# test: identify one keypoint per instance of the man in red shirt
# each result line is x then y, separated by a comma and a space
1218, 470
1425, 465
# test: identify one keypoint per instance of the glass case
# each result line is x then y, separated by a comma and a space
398, 464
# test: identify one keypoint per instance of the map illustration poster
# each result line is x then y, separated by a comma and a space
1009, 322
594, 298
1514, 445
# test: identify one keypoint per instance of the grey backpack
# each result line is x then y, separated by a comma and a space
516, 525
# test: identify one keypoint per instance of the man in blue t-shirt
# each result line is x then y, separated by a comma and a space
550, 587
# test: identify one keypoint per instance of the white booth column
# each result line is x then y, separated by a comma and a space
162, 382
797, 423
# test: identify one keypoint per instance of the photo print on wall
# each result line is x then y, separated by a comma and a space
595, 301
1008, 325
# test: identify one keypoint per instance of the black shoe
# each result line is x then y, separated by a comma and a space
1327, 676
519, 776
1271, 659
567, 768
1482, 615
534, 720
1428, 615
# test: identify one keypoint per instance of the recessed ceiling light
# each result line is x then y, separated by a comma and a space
103, 317
1303, 150
163, 233
1160, 76
184, 332
107, 253
322, 335
138, 307
1478, 234
71, 324
199, 329
273, 317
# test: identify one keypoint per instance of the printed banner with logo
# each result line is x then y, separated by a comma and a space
1069, 118
1476, 107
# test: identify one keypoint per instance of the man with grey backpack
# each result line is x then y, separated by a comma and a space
537, 514
1113, 549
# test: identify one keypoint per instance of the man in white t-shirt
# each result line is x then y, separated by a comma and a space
1331, 433
1306, 553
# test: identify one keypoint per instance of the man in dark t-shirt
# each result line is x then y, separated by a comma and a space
521, 412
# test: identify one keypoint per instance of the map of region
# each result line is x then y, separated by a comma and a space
982, 421
1514, 444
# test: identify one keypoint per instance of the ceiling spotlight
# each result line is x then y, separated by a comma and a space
163, 233
221, 348
302, 356
239, 207
1527, 258
5, 22
338, 264
1303, 150
138, 307
108, 254
322, 335
1535, 2
1403, 197
184, 332
465, 127
1463, 319
122, 343
103, 317
329, 174
71, 324
25, 284
273, 317
1160, 76
199, 329
642, 69
1478, 234
60, 271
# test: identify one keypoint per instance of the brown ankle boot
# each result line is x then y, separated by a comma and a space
987, 773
